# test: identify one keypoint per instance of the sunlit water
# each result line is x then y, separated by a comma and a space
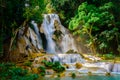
93, 77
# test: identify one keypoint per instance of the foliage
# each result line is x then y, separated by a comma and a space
94, 21
48, 64
28, 63
34, 10
56, 66
64, 8
11, 72
10, 19
108, 56
73, 75
42, 70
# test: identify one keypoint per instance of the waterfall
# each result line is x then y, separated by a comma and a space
48, 27
59, 40
52, 34
39, 41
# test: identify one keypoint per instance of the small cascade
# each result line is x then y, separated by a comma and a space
69, 59
116, 68
58, 38
103, 67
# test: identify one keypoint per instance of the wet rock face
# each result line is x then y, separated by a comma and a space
26, 44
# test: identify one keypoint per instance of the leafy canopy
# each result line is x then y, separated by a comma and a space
98, 22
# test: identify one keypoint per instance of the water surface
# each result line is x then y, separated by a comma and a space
93, 77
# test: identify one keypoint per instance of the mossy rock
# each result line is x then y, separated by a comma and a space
73, 75
89, 73
78, 65
108, 74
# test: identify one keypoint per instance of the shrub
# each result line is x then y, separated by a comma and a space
73, 75
10, 71
56, 66
59, 68
28, 63
108, 56
42, 70
49, 64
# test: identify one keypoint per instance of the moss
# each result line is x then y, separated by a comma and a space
108, 74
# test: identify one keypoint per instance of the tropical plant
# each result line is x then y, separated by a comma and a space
93, 21
58, 67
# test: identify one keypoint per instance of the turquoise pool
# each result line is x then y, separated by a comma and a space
93, 77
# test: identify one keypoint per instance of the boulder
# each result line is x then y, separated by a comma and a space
78, 65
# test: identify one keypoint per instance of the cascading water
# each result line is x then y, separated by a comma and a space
68, 43
51, 36
51, 25
39, 43
48, 27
